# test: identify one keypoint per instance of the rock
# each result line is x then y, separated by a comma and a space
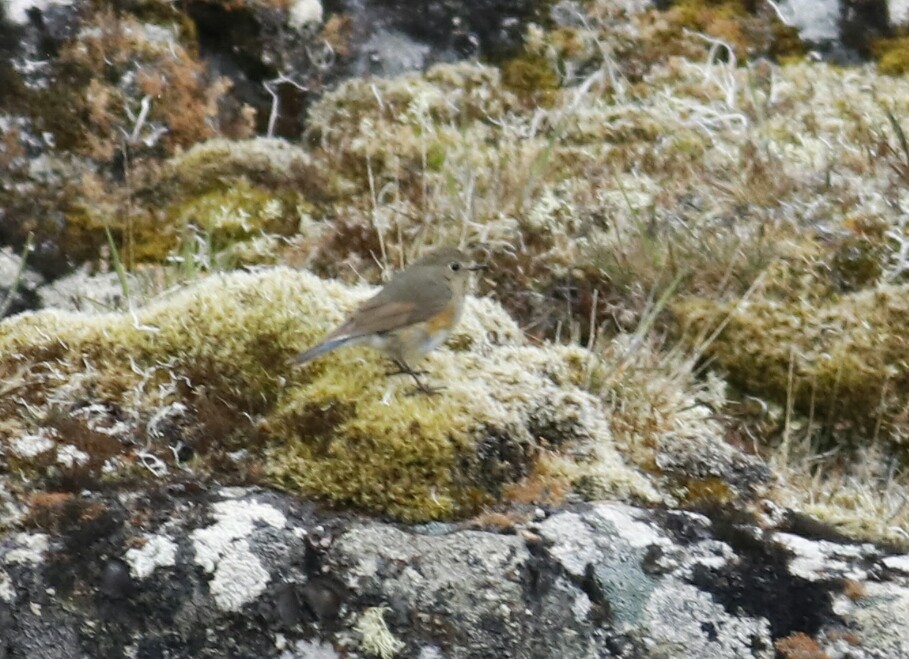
389, 53
305, 14
19, 285
18, 12
898, 11
82, 291
245, 572
817, 21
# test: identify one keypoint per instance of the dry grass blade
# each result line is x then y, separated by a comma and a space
902, 167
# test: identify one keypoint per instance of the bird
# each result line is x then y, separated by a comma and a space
411, 315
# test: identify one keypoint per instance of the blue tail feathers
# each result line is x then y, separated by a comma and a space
321, 349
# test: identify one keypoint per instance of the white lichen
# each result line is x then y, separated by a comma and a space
820, 560
7, 592
303, 14
157, 551
32, 445
28, 548
376, 638
223, 548
310, 650
239, 578
636, 533
70, 456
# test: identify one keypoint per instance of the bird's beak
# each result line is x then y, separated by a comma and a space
478, 266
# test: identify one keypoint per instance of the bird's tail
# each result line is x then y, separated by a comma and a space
321, 349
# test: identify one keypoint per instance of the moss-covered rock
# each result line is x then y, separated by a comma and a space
892, 55
840, 360
189, 368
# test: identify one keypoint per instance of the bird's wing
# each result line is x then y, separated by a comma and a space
386, 311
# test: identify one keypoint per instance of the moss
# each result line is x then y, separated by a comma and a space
548, 484
845, 354
219, 197
858, 262
892, 55
799, 645
338, 430
673, 175
787, 46
117, 61
531, 77
435, 157
747, 27
418, 458
215, 164
707, 492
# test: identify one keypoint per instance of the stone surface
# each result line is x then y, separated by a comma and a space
816, 20
245, 572
19, 285
83, 291
898, 11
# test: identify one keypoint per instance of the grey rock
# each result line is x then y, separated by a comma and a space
708, 458
898, 11
817, 21
389, 53
246, 572
84, 291
17, 11
18, 284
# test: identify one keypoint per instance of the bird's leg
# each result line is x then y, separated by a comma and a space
422, 387
404, 369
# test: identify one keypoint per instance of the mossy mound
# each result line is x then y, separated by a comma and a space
425, 458
749, 28
427, 117
268, 162
842, 360
207, 368
892, 55
223, 195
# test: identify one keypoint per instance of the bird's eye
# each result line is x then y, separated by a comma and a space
455, 266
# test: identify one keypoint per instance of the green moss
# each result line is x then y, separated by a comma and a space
435, 157
742, 24
892, 55
215, 164
706, 492
420, 458
787, 46
337, 429
845, 354
531, 77
220, 192
858, 262
393, 130
236, 213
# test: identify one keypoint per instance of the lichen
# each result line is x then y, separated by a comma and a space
376, 638
223, 549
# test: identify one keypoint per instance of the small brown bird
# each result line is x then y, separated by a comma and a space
412, 314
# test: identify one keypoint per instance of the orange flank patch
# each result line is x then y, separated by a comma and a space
444, 320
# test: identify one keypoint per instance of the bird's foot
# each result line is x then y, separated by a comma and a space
424, 389
403, 370
421, 387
